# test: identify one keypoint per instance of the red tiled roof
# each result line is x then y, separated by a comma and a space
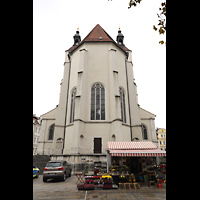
98, 34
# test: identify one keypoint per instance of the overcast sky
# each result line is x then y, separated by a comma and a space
54, 25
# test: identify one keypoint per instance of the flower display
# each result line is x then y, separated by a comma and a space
80, 186
107, 176
97, 176
89, 177
121, 185
127, 185
89, 181
107, 181
107, 186
131, 185
137, 186
96, 171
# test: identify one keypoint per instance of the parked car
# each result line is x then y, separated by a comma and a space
35, 172
57, 169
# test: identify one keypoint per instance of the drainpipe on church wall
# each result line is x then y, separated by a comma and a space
66, 102
126, 59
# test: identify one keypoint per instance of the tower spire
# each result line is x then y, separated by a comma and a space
77, 37
120, 37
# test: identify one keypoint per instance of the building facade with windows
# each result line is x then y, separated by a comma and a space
161, 135
98, 101
36, 133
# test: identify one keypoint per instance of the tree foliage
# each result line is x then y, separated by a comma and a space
161, 27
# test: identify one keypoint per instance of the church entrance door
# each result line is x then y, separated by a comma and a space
97, 145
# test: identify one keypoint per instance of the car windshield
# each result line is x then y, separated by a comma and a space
53, 164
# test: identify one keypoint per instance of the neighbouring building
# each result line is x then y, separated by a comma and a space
36, 133
161, 135
98, 101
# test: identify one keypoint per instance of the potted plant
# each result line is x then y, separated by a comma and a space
121, 185
137, 186
131, 178
131, 185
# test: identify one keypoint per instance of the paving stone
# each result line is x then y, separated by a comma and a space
68, 190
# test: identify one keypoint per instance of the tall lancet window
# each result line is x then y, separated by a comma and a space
97, 102
51, 132
144, 132
122, 103
72, 110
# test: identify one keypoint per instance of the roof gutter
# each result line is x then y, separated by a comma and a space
97, 42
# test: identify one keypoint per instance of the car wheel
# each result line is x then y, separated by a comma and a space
44, 179
37, 175
64, 177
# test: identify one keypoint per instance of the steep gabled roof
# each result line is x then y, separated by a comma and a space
98, 34
50, 114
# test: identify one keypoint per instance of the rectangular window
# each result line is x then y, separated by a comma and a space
53, 164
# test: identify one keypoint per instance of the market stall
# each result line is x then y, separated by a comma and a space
133, 158
128, 165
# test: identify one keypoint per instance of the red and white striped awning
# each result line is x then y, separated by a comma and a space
138, 153
132, 145
135, 149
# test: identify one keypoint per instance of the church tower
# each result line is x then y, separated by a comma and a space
98, 99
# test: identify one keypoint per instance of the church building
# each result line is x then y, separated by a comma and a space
98, 101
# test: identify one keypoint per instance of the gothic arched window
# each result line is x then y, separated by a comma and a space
122, 103
72, 105
97, 102
51, 132
144, 132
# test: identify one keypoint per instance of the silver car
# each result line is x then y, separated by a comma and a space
57, 169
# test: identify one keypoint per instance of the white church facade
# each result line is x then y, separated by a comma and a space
98, 101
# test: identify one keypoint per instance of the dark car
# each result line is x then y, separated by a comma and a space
57, 169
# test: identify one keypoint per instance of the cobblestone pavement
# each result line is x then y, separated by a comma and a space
68, 190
